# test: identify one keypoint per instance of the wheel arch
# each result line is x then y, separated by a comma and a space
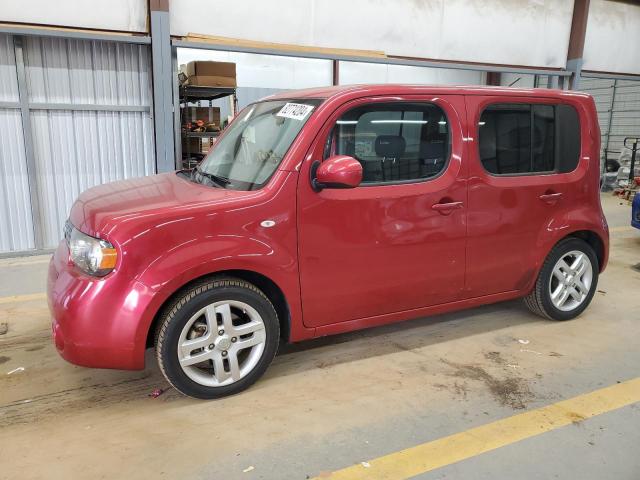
273, 292
593, 237
594, 240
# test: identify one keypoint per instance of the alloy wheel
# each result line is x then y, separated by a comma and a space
221, 343
571, 280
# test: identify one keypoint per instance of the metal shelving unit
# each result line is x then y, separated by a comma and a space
194, 96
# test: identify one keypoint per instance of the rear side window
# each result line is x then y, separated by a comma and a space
394, 142
520, 138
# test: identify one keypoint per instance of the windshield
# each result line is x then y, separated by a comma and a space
254, 144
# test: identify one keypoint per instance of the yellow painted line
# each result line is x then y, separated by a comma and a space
454, 448
23, 298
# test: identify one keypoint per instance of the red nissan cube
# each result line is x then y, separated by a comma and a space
329, 210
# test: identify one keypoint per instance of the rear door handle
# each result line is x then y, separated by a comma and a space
446, 208
551, 198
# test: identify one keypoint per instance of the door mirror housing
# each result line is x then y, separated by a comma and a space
339, 171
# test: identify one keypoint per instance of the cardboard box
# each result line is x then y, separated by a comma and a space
211, 74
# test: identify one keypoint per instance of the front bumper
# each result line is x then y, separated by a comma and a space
97, 322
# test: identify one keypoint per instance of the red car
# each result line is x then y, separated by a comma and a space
329, 210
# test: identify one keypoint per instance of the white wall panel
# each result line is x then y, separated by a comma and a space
267, 71
519, 32
76, 150
612, 42
358, 72
353, 73
123, 15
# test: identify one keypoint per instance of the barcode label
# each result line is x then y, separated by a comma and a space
296, 111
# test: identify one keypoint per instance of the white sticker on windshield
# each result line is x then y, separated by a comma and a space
297, 111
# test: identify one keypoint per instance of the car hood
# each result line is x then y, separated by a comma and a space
100, 209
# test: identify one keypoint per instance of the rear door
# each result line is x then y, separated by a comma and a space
396, 242
519, 186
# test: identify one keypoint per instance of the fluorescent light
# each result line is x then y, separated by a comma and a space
421, 122
347, 122
481, 123
442, 122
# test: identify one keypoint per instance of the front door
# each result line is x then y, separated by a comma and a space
396, 242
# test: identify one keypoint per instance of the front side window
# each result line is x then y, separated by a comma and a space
521, 138
394, 142
254, 144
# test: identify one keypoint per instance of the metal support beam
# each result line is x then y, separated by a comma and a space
575, 67
335, 67
27, 135
614, 87
177, 141
162, 76
610, 75
88, 107
9, 105
576, 41
224, 47
74, 33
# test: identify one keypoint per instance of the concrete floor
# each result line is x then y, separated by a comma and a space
327, 404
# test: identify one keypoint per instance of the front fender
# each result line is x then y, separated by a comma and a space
220, 253
176, 251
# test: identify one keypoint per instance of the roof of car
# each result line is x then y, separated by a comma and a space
406, 89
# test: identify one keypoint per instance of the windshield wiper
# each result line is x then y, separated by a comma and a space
222, 181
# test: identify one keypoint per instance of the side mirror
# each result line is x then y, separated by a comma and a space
339, 171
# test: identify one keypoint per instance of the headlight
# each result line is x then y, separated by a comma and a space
91, 255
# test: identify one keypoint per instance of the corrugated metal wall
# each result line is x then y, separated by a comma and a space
75, 147
90, 115
625, 121
16, 229
618, 101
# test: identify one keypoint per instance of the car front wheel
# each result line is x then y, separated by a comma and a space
217, 338
567, 281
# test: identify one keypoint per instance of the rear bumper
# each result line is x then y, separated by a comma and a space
96, 322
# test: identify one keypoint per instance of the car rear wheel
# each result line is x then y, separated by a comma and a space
217, 338
567, 281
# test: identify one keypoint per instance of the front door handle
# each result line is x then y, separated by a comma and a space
447, 208
550, 198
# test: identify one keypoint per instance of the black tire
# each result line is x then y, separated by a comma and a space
184, 306
539, 300
612, 166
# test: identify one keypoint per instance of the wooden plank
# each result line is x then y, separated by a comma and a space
237, 42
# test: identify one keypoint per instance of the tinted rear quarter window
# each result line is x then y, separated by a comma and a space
521, 138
